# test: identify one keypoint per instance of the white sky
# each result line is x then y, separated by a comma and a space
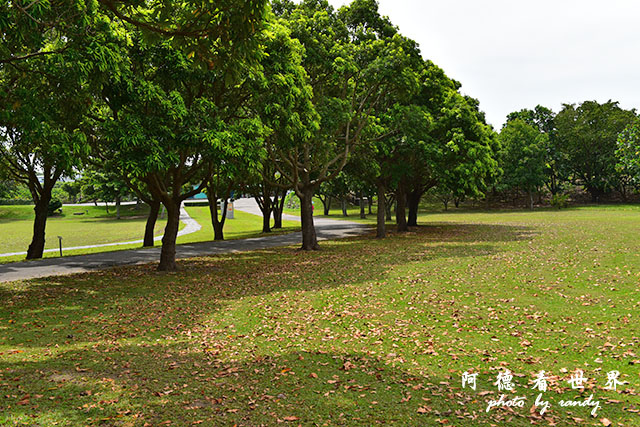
514, 54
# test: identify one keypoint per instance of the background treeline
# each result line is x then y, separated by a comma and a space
160, 101
589, 147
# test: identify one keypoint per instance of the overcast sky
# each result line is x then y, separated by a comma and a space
514, 54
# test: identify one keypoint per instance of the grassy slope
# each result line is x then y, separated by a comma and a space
98, 227
243, 226
93, 228
364, 332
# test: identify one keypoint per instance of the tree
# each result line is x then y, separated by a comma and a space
30, 30
444, 140
281, 99
42, 127
169, 122
72, 189
543, 119
587, 137
628, 156
522, 157
355, 59
104, 185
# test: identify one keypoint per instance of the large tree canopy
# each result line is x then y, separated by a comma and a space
45, 101
356, 61
587, 136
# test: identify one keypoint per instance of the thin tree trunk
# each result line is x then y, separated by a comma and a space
266, 215
278, 207
401, 215
36, 248
413, 199
118, 207
106, 205
154, 210
265, 205
344, 207
530, 199
326, 205
216, 222
168, 252
363, 214
218, 225
388, 204
381, 227
309, 238
370, 203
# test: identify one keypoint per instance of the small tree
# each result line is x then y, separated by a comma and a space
628, 156
522, 157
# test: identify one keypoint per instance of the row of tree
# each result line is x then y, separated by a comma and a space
592, 145
170, 99
178, 98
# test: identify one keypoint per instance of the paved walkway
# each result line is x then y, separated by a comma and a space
325, 228
190, 226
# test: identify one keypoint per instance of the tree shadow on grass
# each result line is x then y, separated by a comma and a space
125, 301
184, 384
130, 346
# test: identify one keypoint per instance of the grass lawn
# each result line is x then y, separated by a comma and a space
364, 332
98, 227
243, 226
95, 226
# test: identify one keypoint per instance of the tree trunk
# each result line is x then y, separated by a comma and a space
413, 199
326, 204
401, 215
118, 207
106, 205
446, 205
36, 248
381, 227
154, 210
344, 207
217, 223
266, 208
277, 218
530, 199
369, 203
363, 214
309, 238
168, 252
278, 207
387, 207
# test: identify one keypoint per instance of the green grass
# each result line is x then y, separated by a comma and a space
97, 227
243, 226
365, 332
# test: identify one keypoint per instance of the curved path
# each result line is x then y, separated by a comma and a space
325, 229
190, 226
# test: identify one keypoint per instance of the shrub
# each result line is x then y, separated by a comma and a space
55, 206
560, 201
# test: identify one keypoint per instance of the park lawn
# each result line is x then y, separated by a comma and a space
243, 226
364, 332
95, 227
335, 211
98, 227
